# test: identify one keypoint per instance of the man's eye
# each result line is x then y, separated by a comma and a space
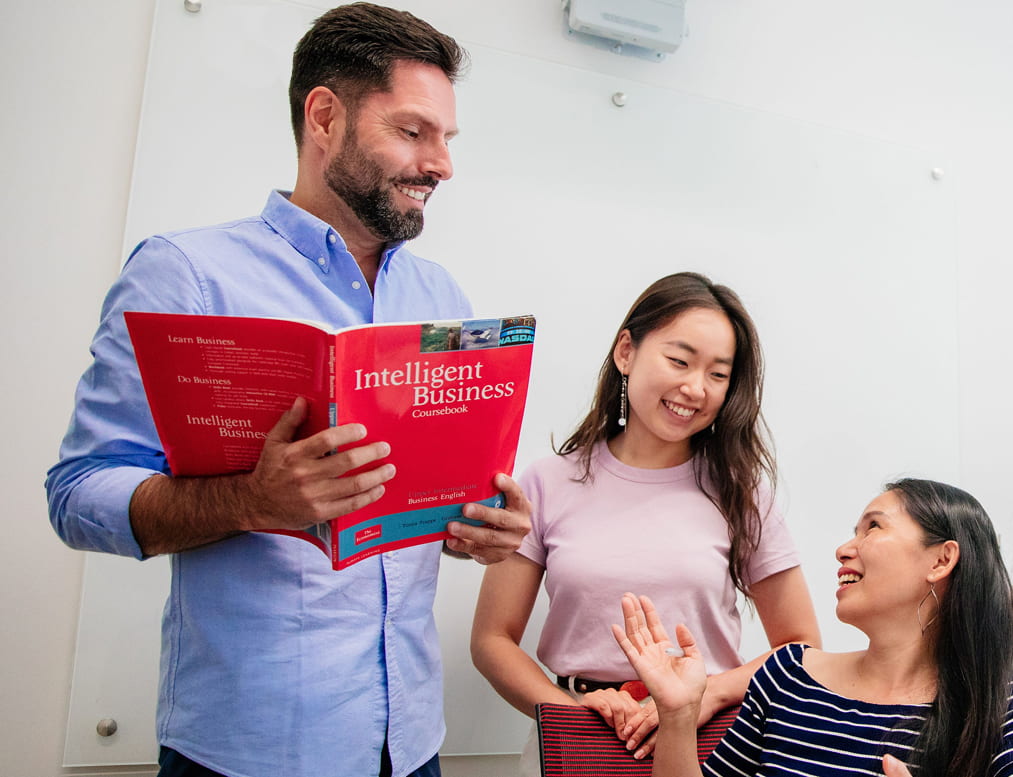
410, 133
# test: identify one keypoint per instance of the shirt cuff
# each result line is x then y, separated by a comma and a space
98, 512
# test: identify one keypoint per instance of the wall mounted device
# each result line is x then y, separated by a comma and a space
655, 25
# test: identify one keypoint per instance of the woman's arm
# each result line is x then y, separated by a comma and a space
505, 600
786, 611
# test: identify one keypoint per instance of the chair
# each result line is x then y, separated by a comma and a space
577, 742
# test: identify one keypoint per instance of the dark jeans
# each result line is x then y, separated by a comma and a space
173, 764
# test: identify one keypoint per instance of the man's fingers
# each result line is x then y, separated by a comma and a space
325, 442
513, 517
515, 498
285, 428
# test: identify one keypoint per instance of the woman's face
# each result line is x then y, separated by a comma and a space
678, 378
886, 567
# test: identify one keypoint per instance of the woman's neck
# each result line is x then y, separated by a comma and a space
901, 668
895, 671
634, 452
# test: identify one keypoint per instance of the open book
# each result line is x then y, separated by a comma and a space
447, 395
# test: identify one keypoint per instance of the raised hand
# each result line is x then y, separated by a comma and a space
674, 675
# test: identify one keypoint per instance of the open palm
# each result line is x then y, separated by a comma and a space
674, 681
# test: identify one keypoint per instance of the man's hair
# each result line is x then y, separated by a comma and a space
352, 49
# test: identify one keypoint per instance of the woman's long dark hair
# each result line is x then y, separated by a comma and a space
973, 634
732, 457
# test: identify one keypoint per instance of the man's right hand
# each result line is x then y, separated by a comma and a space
299, 483
296, 484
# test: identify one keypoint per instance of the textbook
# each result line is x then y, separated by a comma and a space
447, 395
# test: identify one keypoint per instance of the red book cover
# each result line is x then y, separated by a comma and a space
447, 395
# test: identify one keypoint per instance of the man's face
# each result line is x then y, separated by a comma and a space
394, 151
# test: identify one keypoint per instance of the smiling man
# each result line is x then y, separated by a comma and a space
272, 663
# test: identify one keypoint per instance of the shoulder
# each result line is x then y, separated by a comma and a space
194, 244
191, 238
550, 472
788, 661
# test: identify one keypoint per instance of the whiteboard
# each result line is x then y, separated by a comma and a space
567, 206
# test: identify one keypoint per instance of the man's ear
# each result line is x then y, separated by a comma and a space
622, 354
324, 117
946, 558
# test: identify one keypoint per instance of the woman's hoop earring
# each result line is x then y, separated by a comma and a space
622, 404
918, 612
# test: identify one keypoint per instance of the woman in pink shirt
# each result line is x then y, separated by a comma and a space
663, 488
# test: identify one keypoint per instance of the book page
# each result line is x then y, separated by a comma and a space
217, 384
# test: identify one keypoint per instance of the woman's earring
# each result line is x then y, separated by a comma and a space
622, 404
918, 612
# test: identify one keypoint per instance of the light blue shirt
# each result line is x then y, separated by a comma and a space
273, 664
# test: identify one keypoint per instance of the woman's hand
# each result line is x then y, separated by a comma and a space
674, 676
631, 721
892, 767
616, 707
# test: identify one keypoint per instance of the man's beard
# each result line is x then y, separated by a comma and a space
361, 183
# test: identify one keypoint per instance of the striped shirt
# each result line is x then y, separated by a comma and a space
791, 725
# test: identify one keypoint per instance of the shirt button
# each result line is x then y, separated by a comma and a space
321, 261
356, 285
332, 238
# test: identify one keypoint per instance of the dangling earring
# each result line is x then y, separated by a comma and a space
622, 404
918, 612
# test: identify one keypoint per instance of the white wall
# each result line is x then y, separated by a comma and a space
929, 75
70, 93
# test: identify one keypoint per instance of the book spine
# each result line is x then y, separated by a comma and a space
332, 381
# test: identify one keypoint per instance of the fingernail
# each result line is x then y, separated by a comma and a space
384, 449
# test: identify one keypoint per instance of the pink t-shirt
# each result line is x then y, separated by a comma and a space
649, 531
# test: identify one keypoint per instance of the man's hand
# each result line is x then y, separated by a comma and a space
503, 528
297, 484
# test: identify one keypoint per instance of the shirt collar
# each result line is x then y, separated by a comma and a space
313, 238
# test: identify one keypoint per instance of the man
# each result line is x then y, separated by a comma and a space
274, 665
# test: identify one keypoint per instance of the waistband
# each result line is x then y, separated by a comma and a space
634, 688
583, 685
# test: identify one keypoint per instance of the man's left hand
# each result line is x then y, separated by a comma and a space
503, 529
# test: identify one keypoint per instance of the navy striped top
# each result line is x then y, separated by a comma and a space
789, 724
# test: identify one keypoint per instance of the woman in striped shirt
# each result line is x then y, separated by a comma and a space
923, 578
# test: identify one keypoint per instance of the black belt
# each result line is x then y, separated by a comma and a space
583, 685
